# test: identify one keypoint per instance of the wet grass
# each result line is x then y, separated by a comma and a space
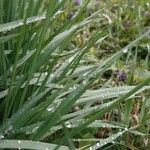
74, 75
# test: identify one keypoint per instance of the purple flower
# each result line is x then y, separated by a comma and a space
126, 24
147, 14
78, 2
121, 75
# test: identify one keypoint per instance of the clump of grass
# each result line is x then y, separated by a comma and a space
55, 92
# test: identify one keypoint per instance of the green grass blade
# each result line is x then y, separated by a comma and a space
24, 144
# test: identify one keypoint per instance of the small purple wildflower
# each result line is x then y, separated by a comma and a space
78, 2
121, 75
126, 24
147, 14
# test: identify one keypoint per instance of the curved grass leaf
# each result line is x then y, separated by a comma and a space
110, 106
24, 144
12, 25
105, 141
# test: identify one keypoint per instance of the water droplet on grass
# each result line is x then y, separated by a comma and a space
61, 86
49, 109
68, 125
1, 136
51, 75
98, 144
70, 60
125, 50
85, 74
91, 148
84, 82
105, 143
74, 87
126, 129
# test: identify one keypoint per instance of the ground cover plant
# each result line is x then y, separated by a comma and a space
74, 74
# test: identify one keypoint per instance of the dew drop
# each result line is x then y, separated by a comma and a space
74, 87
61, 86
70, 60
49, 109
107, 105
52, 75
105, 143
85, 74
32, 37
1, 136
84, 82
34, 129
125, 50
108, 18
68, 125
91, 148
70, 88
45, 73
98, 144
126, 129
